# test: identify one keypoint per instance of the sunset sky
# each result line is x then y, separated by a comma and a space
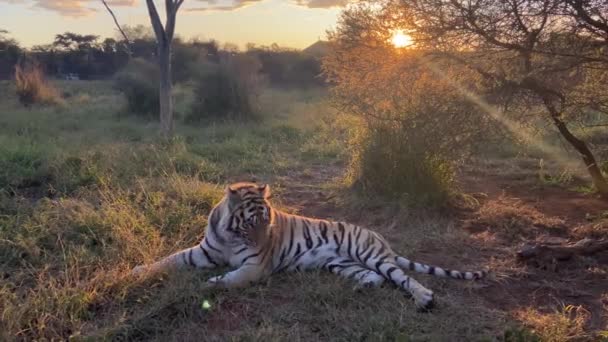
293, 23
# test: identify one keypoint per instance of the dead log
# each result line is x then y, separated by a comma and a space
548, 252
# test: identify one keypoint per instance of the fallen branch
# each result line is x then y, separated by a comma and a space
550, 252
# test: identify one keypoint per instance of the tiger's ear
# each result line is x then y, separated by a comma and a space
265, 190
231, 191
233, 194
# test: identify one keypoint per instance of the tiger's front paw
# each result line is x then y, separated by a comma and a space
215, 281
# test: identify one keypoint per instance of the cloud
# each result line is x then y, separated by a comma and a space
68, 8
220, 5
71, 8
230, 6
81, 8
322, 3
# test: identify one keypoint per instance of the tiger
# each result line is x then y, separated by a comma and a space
244, 231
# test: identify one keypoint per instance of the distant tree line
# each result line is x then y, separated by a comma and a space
91, 57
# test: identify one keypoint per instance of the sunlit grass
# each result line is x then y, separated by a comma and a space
566, 324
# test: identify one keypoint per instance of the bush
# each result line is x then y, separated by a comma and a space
33, 88
417, 123
139, 82
228, 90
389, 162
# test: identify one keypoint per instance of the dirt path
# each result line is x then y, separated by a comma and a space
514, 210
510, 211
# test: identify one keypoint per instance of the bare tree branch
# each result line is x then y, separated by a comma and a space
124, 35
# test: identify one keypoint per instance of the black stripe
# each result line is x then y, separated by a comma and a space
380, 263
330, 259
332, 267
346, 267
229, 228
242, 250
379, 239
249, 257
319, 242
212, 247
342, 232
290, 220
306, 232
184, 259
380, 251
281, 260
354, 274
389, 271
323, 226
290, 239
431, 269
295, 260
369, 241
190, 257
214, 220
349, 244
359, 230
367, 254
282, 257
207, 255
412, 266
297, 256
298, 249
267, 252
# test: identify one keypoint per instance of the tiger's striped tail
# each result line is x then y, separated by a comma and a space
438, 271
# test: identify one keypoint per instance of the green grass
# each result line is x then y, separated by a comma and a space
87, 193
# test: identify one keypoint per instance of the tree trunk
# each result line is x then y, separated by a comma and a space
165, 95
599, 181
588, 158
164, 38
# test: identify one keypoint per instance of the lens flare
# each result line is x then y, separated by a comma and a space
401, 39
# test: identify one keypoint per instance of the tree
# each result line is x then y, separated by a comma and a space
415, 126
164, 38
10, 52
531, 54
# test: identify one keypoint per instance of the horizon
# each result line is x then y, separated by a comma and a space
293, 24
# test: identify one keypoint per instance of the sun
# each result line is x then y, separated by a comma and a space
401, 39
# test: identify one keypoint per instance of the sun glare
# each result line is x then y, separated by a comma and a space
401, 39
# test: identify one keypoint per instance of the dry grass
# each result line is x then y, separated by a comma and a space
512, 220
566, 324
87, 195
33, 88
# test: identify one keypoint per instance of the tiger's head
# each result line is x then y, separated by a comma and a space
251, 214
